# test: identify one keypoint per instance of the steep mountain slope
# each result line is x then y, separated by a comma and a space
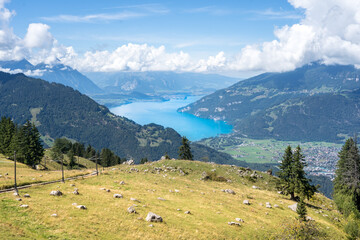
310, 103
61, 111
58, 73
160, 82
210, 208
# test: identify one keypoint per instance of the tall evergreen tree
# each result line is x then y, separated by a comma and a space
347, 179
71, 157
286, 173
292, 175
7, 131
185, 150
301, 183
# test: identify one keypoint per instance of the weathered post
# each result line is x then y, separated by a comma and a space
15, 185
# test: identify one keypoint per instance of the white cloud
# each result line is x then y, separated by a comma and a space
38, 36
329, 32
93, 17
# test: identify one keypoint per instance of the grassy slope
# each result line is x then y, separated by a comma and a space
27, 175
107, 218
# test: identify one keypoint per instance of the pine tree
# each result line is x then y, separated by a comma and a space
286, 173
301, 210
144, 160
71, 157
7, 132
301, 183
347, 179
185, 150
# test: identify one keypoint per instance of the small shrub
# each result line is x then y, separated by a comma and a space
352, 229
214, 177
300, 230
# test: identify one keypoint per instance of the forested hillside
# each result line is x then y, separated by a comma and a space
314, 102
60, 111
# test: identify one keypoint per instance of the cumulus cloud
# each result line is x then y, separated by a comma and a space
328, 32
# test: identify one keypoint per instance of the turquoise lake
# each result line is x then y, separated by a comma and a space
165, 114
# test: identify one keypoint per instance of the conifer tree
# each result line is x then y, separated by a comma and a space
301, 183
347, 179
286, 173
185, 150
71, 157
7, 131
301, 210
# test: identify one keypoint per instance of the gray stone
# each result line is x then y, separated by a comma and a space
187, 212
74, 204
178, 209
152, 217
16, 194
255, 187
239, 220
293, 207
122, 183
161, 199
26, 195
268, 205
103, 188
131, 209
72, 185
234, 223
76, 191
56, 193
24, 206
19, 199
176, 190
151, 225
276, 206
134, 199
229, 191
54, 215
81, 207
181, 172
117, 195
308, 218
108, 190
246, 202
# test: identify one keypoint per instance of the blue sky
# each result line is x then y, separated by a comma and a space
198, 27
226, 37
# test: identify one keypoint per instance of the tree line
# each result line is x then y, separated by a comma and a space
24, 140
63, 146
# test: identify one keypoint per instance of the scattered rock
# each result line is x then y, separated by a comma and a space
308, 218
223, 190
293, 207
246, 202
6, 174
72, 185
117, 195
152, 217
177, 190
131, 209
255, 187
74, 204
56, 193
129, 162
122, 183
187, 212
134, 199
81, 207
19, 199
108, 190
54, 215
76, 191
280, 192
202, 193
103, 188
229, 181
268, 205
229, 191
24, 206
336, 219
266, 213
16, 194
161, 199
151, 225
181, 172
276, 206
26, 195
178, 209
234, 223
239, 220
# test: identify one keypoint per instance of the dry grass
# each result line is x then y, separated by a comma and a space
27, 175
107, 218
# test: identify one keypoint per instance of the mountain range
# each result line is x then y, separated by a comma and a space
59, 111
57, 73
312, 103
